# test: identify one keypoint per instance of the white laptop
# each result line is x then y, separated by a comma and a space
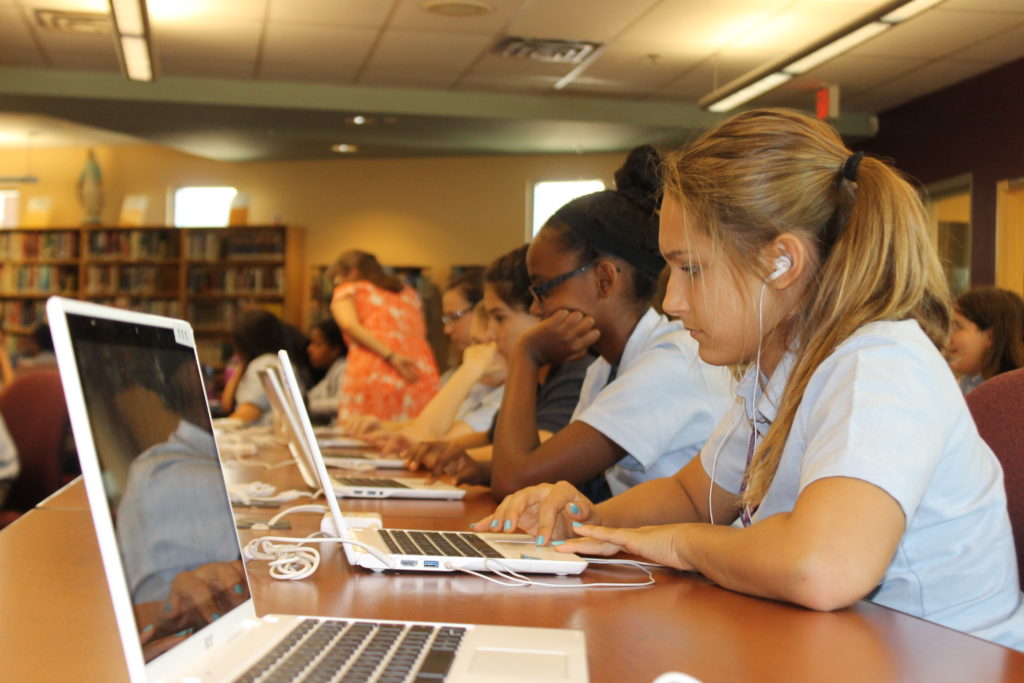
132, 381
306, 451
286, 414
420, 550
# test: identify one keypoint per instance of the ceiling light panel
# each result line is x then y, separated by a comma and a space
936, 33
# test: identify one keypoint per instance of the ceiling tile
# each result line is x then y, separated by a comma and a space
858, 73
1000, 48
509, 82
933, 34
600, 22
405, 78
498, 66
214, 40
410, 16
190, 67
306, 45
702, 25
443, 51
87, 44
100, 6
914, 84
793, 29
365, 13
193, 11
610, 88
648, 63
328, 72
106, 61
1011, 6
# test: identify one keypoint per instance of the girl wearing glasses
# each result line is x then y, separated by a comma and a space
556, 387
851, 467
648, 403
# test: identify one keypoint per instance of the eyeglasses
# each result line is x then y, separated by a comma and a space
540, 291
449, 318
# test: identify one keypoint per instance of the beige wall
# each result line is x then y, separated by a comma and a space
435, 212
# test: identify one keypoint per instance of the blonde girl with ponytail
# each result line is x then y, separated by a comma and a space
849, 467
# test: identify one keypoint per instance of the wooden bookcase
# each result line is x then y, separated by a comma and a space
205, 275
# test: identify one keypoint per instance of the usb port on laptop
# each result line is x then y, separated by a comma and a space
430, 564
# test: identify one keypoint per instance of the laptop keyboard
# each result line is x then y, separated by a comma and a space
443, 543
353, 652
372, 482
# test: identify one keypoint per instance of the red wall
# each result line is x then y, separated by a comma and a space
975, 127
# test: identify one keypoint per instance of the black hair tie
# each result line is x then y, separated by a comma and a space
849, 171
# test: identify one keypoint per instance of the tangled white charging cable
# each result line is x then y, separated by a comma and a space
513, 579
289, 558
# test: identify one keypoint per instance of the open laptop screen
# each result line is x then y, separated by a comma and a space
154, 442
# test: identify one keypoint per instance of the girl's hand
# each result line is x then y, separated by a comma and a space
546, 511
404, 366
480, 356
563, 336
359, 426
654, 543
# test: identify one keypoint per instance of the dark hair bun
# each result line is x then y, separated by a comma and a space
639, 179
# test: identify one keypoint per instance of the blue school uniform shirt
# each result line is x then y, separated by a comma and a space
884, 408
661, 405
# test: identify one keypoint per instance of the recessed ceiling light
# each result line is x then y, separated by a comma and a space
344, 148
457, 8
358, 120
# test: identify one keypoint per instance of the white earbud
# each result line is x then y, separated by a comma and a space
782, 265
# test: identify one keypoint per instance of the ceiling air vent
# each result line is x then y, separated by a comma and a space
544, 50
73, 22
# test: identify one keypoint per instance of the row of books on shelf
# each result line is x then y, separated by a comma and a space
38, 279
23, 315
166, 307
133, 244
220, 316
244, 280
49, 244
131, 279
256, 246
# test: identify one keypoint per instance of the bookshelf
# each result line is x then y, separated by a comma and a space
206, 275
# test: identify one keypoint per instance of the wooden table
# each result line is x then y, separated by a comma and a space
57, 622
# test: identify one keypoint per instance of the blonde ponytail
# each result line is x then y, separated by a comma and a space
766, 172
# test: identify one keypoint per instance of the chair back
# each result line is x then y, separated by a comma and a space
36, 416
997, 405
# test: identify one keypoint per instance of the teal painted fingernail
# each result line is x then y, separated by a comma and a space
149, 627
214, 617
557, 542
574, 508
237, 589
184, 632
494, 524
168, 606
576, 524
540, 540
508, 525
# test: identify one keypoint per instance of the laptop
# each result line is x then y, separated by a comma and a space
132, 381
285, 414
421, 550
306, 451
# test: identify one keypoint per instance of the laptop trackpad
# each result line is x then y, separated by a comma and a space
528, 664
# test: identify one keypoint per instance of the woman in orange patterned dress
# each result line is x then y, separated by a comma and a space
391, 372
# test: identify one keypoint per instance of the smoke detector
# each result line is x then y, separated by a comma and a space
457, 8
545, 50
